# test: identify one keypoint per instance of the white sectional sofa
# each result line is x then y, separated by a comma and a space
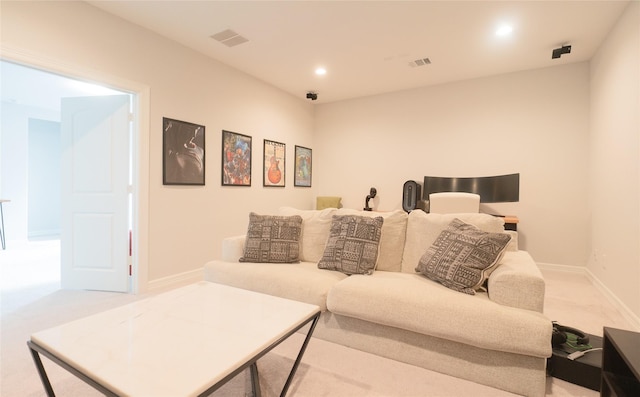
498, 338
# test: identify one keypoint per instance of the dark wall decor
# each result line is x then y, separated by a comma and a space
302, 167
273, 163
183, 153
236, 159
492, 189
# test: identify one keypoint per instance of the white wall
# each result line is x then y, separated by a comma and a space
534, 123
186, 224
44, 156
14, 129
615, 161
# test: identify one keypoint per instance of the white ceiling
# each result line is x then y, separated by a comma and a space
366, 46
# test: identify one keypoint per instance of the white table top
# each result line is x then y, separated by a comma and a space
178, 343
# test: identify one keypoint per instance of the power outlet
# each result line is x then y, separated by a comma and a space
599, 259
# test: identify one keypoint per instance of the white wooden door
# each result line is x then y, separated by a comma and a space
95, 183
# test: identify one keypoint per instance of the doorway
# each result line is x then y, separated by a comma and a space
30, 110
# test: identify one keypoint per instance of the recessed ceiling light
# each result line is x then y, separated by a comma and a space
321, 71
504, 30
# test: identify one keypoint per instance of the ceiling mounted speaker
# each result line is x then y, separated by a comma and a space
411, 195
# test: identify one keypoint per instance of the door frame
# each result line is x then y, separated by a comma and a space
140, 145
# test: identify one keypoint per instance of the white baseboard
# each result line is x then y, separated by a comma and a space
175, 280
633, 319
43, 233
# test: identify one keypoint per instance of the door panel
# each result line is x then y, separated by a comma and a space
95, 184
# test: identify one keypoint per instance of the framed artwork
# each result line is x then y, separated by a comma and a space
273, 164
182, 153
236, 159
302, 167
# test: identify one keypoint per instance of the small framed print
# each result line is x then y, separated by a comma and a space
182, 153
302, 167
273, 163
236, 159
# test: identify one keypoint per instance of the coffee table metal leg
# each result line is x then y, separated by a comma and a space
255, 381
36, 350
300, 354
43, 374
2, 235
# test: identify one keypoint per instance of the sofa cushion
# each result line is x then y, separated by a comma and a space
463, 256
302, 281
392, 239
414, 303
352, 247
424, 228
315, 231
272, 239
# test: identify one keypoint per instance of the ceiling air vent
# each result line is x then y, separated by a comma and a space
420, 62
229, 38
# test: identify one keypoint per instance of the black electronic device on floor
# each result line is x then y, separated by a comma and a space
580, 364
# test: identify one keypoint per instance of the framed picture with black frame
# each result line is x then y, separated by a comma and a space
302, 167
183, 153
236, 159
274, 164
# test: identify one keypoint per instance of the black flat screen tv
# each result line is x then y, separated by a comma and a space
492, 189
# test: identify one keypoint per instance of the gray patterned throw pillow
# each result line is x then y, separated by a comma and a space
272, 239
352, 246
463, 256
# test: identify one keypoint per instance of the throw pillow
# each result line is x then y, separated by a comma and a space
424, 228
315, 231
328, 202
392, 238
352, 246
272, 239
463, 256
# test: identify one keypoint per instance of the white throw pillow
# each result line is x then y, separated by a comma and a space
315, 231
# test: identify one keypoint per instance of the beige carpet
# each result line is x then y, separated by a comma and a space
327, 369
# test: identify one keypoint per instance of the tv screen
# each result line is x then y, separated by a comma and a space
492, 189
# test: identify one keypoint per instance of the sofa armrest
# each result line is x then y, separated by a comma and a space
513, 243
232, 248
517, 282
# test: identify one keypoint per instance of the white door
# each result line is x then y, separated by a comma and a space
95, 183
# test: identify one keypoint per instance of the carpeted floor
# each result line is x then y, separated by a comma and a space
327, 369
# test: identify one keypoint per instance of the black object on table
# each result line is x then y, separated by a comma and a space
620, 363
584, 370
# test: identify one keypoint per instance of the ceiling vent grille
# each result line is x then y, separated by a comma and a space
420, 62
229, 38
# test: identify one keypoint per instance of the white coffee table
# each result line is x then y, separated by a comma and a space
185, 342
